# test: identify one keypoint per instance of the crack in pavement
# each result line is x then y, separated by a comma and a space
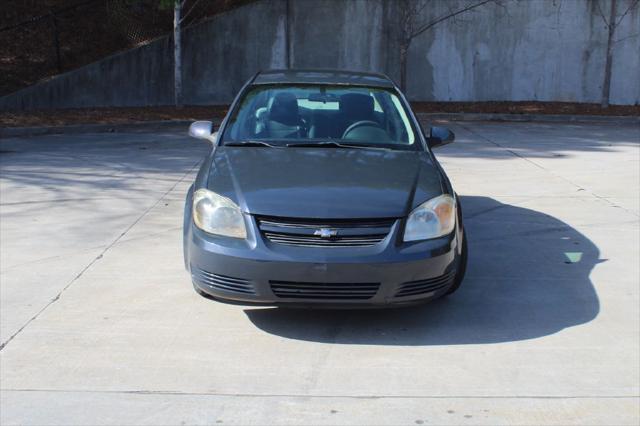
69, 200
516, 154
99, 256
84, 250
292, 395
50, 258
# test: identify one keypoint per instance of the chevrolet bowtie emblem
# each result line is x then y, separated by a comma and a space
325, 233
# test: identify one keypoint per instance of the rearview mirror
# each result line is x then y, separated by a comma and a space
202, 130
439, 136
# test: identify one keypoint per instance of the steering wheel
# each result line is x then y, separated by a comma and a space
357, 124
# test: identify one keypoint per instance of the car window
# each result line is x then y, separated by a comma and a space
284, 114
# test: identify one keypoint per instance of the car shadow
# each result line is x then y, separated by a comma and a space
528, 277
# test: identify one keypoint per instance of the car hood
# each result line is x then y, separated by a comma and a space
324, 182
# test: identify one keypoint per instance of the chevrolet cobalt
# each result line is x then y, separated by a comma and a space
322, 190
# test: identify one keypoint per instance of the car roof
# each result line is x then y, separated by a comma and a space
322, 76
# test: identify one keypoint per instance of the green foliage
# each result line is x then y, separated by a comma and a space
166, 4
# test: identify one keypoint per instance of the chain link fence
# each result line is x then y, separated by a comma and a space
42, 38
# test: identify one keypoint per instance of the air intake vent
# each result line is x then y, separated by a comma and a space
323, 232
328, 291
413, 288
222, 282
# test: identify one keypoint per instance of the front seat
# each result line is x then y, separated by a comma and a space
355, 107
283, 118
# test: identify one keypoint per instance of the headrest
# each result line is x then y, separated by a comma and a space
356, 106
284, 109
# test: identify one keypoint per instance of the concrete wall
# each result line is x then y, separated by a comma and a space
529, 50
219, 56
548, 50
143, 76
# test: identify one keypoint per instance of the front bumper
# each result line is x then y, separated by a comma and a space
257, 271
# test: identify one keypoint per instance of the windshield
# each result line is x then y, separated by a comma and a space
306, 115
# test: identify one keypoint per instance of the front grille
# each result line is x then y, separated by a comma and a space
335, 291
307, 232
222, 282
413, 288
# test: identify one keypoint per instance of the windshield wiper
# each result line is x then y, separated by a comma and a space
331, 144
249, 144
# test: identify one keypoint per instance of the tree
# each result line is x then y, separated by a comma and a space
178, 19
611, 23
411, 25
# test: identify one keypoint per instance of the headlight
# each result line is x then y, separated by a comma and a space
432, 219
217, 215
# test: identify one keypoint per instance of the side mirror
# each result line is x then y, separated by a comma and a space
202, 130
439, 136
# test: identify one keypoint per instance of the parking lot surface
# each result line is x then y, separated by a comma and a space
99, 323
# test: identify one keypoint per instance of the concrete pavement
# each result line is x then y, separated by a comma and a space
99, 324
